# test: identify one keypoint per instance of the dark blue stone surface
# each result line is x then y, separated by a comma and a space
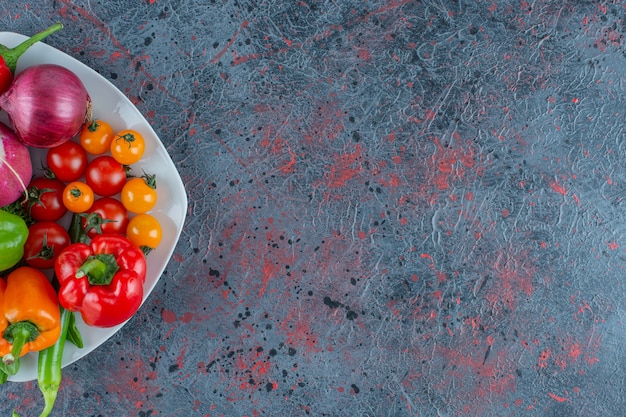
396, 208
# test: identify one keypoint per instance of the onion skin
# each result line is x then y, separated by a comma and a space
15, 154
47, 105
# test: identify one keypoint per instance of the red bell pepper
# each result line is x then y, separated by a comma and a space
9, 56
103, 280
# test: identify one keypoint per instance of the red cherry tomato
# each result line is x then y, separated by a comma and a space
45, 199
105, 176
44, 243
67, 161
111, 217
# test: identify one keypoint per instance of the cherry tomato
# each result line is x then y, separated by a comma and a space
44, 243
145, 231
139, 194
105, 176
45, 199
78, 197
67, 161
96, 137
111, 217
127, 147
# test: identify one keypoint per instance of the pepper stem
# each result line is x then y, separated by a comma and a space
18, 334
11, 55
99, 269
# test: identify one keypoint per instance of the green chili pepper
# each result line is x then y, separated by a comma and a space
49, 373
73, 334
13, 234
76, 231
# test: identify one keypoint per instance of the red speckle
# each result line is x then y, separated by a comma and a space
558, 188
115, 56
557, 398
542, 362
613, 245
574, 351
364, 54
270, 268
344, 169
168, 316
187, 318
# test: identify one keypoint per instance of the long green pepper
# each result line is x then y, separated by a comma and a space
49, 373
50, 360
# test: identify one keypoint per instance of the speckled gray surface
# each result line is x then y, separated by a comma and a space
396, 208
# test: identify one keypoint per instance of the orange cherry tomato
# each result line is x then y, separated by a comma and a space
127, 147
96, 137
78, 197
139, 195
145, 231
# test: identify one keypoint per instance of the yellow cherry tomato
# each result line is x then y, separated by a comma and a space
96, 137
139, 195
145, 231
127, 147
78, 197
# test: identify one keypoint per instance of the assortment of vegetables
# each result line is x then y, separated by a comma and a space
96, 266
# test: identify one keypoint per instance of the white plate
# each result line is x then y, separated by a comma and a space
111, 105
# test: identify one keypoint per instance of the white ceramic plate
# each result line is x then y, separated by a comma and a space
171, 208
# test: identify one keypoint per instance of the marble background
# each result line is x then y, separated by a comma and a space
396, 208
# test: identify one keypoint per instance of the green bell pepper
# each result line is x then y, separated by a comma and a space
13, 234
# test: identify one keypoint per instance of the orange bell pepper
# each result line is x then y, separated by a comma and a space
30, 318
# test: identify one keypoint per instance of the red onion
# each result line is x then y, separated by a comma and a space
47, 105
15, 166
